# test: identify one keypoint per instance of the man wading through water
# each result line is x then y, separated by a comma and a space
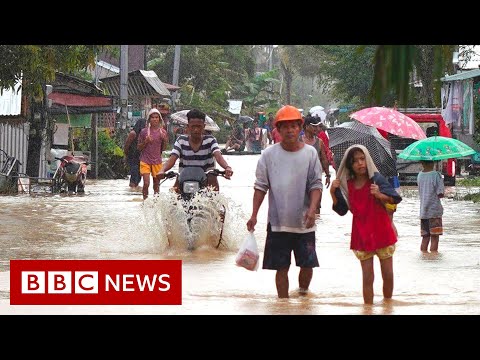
291, 174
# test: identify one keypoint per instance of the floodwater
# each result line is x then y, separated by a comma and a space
111, 222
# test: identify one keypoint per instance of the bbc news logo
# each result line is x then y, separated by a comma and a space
95, 282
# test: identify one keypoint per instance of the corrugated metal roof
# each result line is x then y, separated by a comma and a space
140, 83
462, 76
108, 66
156, 83
11, 101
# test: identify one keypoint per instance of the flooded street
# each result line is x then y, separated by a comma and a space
111, 222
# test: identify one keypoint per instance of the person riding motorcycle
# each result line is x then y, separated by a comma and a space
196, 149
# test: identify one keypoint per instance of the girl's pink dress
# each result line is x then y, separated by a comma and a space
371, 226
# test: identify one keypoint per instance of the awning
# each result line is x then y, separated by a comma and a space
140, 83
79, 100
74, 120
80, 104
462, 76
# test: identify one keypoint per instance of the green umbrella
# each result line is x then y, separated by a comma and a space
435, 148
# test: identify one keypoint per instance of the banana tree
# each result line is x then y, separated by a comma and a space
258, 92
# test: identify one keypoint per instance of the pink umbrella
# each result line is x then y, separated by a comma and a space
391, 121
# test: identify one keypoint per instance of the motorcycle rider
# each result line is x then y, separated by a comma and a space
195, 148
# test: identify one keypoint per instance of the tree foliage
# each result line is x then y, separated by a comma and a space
346, 71
208, 74
37, 64
258, 92
394, 65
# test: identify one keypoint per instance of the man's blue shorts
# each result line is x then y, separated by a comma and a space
279, 246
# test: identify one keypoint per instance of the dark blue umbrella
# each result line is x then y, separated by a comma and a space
244, 119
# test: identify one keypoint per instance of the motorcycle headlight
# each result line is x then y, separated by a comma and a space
190, 187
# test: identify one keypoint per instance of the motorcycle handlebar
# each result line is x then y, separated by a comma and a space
82, 162
172, 174
216, 172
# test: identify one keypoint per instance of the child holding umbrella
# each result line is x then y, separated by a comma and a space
360, 188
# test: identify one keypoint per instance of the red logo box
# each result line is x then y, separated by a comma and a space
95, 282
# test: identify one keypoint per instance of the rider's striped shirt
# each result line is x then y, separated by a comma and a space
202, 158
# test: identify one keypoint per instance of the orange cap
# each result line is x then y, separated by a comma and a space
288, 113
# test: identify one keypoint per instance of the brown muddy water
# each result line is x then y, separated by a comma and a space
111, 222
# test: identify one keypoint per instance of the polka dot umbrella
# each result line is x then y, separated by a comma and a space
390, 120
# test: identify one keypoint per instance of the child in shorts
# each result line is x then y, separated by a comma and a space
430, 191
360, 188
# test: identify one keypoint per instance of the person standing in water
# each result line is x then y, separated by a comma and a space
290, 172
360, 188
152, 141
430, 190
132, 154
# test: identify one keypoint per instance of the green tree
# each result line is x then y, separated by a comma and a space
394, 66
257, 92
346, 71
207, 74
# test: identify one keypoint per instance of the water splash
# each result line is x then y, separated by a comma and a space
167, 219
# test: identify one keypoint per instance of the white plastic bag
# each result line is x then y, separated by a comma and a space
247, 255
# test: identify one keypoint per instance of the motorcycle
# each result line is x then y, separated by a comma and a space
192, 182
71, 174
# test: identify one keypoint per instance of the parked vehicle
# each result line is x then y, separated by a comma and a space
474, 167
433, 124
192, 182
71, 174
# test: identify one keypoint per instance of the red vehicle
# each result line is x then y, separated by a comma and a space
433, 124
71, 174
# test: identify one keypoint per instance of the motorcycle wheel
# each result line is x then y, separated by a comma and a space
72, 188
59, 185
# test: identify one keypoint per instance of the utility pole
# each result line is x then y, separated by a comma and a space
94, 132
270, 58
176, 70
123, 86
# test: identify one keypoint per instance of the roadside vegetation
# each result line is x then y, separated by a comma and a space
470, 182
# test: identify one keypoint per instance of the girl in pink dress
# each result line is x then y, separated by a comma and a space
360, 188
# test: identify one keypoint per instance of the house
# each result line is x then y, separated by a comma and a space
71, 102
14, 126
460, 92
145, 90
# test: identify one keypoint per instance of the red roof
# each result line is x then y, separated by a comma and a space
79, 100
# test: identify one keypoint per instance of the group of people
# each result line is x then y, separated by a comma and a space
292, 210
246, 137
358, 188
148, 139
